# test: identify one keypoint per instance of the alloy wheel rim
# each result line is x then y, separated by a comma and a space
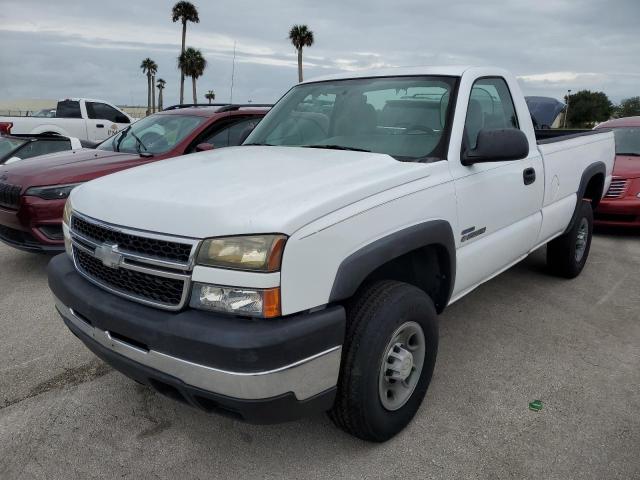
401, 365
581, 239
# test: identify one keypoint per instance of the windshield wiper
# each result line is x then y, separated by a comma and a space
138, 143
630, 154
258, 144
336, 147
116, 147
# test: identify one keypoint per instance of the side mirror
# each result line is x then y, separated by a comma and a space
203, 147
497, 146
12, 160
122, 119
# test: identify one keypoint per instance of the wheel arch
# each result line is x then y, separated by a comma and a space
50, 129
591, 188
396, 256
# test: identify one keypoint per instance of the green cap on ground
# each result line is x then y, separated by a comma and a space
536, 405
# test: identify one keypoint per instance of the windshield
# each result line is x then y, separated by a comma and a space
8, 144
627, 140
405, 117
154, 134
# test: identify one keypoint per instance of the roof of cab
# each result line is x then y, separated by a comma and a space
79, 99
212, 111
453, 71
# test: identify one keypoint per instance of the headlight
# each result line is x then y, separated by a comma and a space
66, 215
249, 252
53, 192
239, 301
66, 224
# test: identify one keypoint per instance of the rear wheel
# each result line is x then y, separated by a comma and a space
567, 254
388, 359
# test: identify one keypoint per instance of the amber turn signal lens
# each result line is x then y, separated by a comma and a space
275, 256
271, 303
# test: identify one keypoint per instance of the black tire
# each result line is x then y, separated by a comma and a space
372, 318
562, 259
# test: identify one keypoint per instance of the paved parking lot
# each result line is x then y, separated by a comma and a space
522, 336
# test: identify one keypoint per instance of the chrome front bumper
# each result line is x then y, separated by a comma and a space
305, 378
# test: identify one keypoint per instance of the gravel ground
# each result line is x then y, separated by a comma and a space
575, 345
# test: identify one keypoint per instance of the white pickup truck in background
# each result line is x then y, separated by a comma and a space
83, 118
306, 273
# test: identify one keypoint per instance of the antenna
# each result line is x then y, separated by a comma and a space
233, 70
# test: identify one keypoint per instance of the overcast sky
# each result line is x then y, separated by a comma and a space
93, 48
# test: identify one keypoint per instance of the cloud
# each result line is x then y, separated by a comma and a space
560, 77
93, 48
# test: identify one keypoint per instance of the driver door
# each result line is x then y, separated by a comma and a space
104, 121
498, 205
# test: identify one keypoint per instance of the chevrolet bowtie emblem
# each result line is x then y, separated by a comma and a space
109, 255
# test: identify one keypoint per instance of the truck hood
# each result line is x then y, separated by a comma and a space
72, 166
627, 166
241, 190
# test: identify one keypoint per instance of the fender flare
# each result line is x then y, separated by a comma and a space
591, 171
356, 267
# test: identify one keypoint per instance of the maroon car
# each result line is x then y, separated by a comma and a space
620, 207
33, 192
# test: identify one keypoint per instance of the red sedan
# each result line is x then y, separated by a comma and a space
33, 192
621, 205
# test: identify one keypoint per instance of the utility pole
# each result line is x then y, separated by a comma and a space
233, 71
566, 110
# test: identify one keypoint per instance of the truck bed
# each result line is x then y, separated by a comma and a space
564, 155
551, 135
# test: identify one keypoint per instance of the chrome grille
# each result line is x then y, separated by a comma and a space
165, 291
10, 196
152, 247
144, 275
617, 188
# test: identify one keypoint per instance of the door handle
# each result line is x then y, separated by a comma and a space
529, 175
99, 125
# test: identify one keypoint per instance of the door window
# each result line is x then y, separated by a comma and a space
490, 107
68, 109
101, 111
230, 135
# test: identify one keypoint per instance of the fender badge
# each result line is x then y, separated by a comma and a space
469, 233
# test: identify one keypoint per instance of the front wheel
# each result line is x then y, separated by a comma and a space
567, 254
388, 359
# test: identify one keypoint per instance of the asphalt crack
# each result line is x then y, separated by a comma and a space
69, 378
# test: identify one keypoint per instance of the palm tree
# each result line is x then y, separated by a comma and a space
149, 67
300, 37
210, 96
184, 12
160, 84
192, 63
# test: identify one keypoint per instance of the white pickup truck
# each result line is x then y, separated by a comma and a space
305, 270
83, 118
